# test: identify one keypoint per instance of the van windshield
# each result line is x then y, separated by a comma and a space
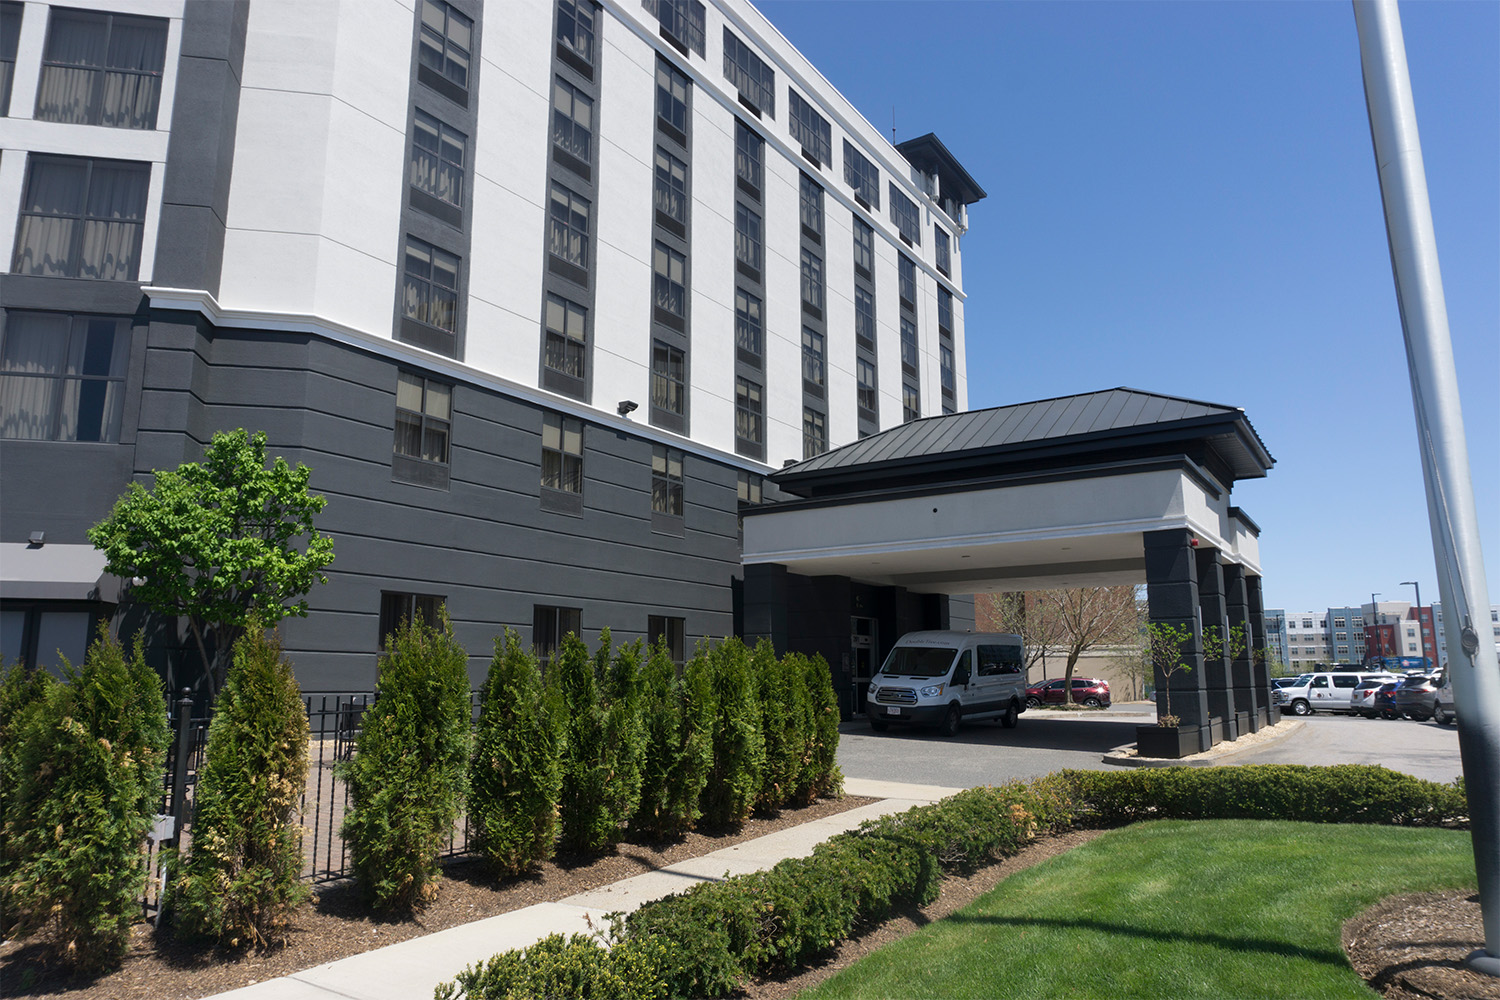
919, 661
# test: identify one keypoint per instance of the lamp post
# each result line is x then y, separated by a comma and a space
1374, 617
1413, 583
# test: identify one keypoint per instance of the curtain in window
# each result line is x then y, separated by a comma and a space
137, 47
79, 41
54, 188
112, 233
34, 345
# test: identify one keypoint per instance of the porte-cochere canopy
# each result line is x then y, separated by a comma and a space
1114, 487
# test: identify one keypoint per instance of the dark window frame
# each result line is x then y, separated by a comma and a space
550, 624
867, 386
666, 485
438, 52
809, 128
562, 466
669, 288
681, 21
749, 326
813, 287
437, 163
668, 382
10, 36
413, 464
80, 217
574, 138
672, 106
814, 432
399, 606
749, 230
814, 361
673, 630
810, 206
749, 417
576, 32
751, 75
942, 252
669, 187
862, 176
749, 156
98, 397
561, 344
426, 309
93, 111
864, 318
562, 225
864, 248
905, 216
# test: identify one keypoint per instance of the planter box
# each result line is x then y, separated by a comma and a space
1160, 741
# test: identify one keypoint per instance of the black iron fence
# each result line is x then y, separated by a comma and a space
333, 725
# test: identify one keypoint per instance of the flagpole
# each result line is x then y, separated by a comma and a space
1472, 666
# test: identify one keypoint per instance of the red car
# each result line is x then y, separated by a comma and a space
1088, 691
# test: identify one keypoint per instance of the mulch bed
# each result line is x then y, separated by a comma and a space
1412, 947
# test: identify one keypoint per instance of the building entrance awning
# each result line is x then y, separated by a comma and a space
54, 572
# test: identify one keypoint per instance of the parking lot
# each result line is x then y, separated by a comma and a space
984, 753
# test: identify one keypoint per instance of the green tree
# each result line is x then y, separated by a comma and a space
215, 542
407, 777
676, 717
786, 721
739, 748
515, 775
88, 775
601, 783
1168, 645
241, 880
22, 691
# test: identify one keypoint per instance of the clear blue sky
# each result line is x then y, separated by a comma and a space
1183, 199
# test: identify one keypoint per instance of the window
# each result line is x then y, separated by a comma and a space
10, 36
62, 377
82, 218
911, 402
670, 280
671, 632
866, 392
1338, 623
864, 248
549, 626
864, 319
666, 480
908, 345
671, 187
751, 487
430, 285
572, 120
396, 609
904, 215
443, 50
672, 98
949, 378
749, 333
810, 129
755, 81
814, 433
37, 632
566, 339
668, 379
907, 270
812, 281
749, 418
747, 242
941, 250
813, 367
568, 226
749, 149
423, 418
861, 175
681, 19
101, 69
438, 152
575, 28
945, 310
812, 208
562, 453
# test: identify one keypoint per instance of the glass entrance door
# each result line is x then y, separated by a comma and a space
864, 648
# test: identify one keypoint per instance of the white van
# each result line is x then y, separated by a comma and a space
943, 678
1324, 691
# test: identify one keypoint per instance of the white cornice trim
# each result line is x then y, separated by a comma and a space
197, 300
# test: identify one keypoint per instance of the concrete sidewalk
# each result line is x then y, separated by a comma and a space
411, 969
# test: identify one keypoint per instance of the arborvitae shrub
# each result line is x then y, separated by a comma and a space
240, 883
88, 776
624, 739
406, 780
784, 714
22, 690
739, 751
585, 824
804, 721
515, 775
676, 715
822, 776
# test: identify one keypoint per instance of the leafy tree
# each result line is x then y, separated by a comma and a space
406, 779
241, 880
88, 774
1168, 644
1069, 622
213, 542
515, 775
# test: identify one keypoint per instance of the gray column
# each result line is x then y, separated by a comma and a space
1260, 676
1172, 599
1241, 666
765, 604
1214, 614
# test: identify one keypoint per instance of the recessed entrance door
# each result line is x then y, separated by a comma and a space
863, 646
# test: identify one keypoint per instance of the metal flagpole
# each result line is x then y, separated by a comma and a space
1472, 666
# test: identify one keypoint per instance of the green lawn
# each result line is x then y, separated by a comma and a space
1221, 910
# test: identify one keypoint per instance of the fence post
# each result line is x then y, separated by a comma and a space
180, 767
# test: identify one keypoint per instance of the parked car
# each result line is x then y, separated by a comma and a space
1362, 698
1324, 691
943, 678
1281, 682
1442, 707
1417, 696
1090, 692
1385, 706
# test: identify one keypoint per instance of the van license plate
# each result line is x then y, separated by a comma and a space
892, 710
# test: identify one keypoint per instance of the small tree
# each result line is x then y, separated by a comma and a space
1167, 643
822, 776
241, 881
88, 773
624, 737
676, 718
215, 542
786, 718
739, 750
406, 779
601, 767
22, 692
515, 774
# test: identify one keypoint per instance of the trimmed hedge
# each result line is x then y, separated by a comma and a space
709, 940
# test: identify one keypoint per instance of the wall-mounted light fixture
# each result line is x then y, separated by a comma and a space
626, 406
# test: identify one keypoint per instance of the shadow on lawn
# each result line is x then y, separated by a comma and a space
1328, 956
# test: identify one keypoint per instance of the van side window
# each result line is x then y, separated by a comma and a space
1320, 682
1342, 681
965, 664
995, 660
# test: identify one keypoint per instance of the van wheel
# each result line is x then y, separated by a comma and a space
1439, 716
951, 721
879, 726
1011, 717
1300, 707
